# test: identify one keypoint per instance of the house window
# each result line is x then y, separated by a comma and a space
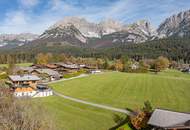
33, 81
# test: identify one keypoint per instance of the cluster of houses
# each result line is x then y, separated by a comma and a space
31, 81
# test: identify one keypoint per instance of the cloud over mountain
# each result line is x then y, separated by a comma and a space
36, 15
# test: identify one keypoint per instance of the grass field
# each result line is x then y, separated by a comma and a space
21, 64
124, 127
68, 115
169, 89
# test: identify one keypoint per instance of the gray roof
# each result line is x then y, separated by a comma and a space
29, 69
48, 71
72, 66
24, 77
167, 119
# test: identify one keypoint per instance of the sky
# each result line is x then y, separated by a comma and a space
35, 16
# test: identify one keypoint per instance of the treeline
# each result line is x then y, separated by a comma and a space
176, 49
16, 58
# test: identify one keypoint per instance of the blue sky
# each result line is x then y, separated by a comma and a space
35, 16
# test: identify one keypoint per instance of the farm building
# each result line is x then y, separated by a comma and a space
51, 66
67, 68
169, 120
47, 74
27, 86
24, 70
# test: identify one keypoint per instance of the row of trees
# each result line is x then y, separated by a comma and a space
16, 58
123, 64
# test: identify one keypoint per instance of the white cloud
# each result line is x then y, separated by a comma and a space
56, 4
24, 19
18, 18
13, 22
28, 3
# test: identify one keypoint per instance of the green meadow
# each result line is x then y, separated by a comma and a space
68, 115
169, 90
20, 64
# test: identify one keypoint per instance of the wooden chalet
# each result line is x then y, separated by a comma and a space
24, 85
24, 70
67, 68
27, 86
47, 74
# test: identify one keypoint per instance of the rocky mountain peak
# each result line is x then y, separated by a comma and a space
63, 33
176, 25
142, 27
88, 29
109, 26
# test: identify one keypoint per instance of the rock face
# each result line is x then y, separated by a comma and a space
109, 26
66, 34
88, 29
176, 25
110, 30
140, 31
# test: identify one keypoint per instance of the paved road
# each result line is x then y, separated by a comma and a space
56, 81
94, 104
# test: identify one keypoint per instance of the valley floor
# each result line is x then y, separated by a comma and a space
168, 90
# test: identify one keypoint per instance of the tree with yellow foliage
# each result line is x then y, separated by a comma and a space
161, 63
44, 58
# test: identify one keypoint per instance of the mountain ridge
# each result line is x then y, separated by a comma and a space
77, 31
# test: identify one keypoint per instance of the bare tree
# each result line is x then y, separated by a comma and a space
22, 114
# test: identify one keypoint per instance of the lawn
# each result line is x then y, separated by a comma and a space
169, 89
68, 115
20, 64
124, 127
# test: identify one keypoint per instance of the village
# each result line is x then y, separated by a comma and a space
31, 81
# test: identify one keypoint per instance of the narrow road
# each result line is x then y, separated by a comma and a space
56, 81
94, 104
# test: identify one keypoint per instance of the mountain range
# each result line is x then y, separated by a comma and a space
79, 32
14, 40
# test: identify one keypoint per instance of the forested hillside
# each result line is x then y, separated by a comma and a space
177, 49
